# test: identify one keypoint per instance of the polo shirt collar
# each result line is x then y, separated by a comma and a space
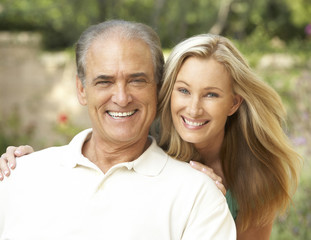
74, 153
150, 163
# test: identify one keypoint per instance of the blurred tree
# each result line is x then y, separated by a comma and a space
300, 12
223, 12
157, 12
62, 21
268, 18
59, 22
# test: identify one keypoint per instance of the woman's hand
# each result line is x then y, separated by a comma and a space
209, 172
8, 161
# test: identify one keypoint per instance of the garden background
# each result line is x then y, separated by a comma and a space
38, 103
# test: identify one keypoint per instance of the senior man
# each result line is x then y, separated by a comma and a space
113, 181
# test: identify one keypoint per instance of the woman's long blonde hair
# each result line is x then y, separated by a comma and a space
258, 162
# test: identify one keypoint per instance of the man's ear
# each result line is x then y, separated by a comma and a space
81, 92
237, 101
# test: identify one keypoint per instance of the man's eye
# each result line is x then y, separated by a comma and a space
183, 90
139, 80
103, 82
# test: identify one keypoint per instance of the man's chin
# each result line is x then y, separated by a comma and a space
128, 138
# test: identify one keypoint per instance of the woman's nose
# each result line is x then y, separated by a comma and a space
195, 108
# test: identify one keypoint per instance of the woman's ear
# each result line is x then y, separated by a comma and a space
81, 92
237, 101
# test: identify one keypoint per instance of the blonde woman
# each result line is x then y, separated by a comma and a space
214, 111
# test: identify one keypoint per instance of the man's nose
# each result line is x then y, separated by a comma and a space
121, 95
194, 108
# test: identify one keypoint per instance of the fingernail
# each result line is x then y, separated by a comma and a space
17, 152
192, 163
1, 177
6, 172
217, 183
11, 165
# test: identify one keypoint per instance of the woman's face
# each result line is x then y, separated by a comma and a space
201, 101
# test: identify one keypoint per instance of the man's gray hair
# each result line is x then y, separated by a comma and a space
127, 30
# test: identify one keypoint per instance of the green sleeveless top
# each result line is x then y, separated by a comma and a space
233, 205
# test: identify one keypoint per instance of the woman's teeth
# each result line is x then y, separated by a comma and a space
195, 124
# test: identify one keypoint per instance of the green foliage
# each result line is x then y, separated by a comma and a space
62, 21
296, 223
66, 128
13, 132
301, 12
267, 18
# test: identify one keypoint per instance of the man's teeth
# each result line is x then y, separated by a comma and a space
121, 114
194, 123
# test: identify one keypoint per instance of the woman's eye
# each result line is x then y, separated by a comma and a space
212, 95
183, 90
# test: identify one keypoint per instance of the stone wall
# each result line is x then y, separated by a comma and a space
39, 85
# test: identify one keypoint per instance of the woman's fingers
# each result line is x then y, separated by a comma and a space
205, 169
4, 169
8, 159
221, 187
13, 152
210, 172
10, 156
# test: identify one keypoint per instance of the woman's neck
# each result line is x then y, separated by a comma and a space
210, 151
210, 156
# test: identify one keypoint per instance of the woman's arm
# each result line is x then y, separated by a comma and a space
7, 160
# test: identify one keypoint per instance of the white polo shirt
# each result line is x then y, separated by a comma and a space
58, 194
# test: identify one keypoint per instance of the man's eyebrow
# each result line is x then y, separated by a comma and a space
139, 74
103, 77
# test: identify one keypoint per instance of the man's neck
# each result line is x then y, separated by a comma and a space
107, 154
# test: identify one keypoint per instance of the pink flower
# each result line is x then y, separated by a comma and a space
308, 29
62, 118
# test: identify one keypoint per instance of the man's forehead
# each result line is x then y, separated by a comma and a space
120, 47
119, 42
127, 55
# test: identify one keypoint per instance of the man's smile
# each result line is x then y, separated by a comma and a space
120, 115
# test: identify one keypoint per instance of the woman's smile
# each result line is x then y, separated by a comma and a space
193, 123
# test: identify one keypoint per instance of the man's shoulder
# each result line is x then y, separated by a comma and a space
36, 169
56, 153
46, 160
192, 182
184, 172
179, 169
46, 152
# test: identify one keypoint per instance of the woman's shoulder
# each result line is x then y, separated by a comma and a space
232, 204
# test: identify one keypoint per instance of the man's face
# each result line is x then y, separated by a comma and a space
120, 90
